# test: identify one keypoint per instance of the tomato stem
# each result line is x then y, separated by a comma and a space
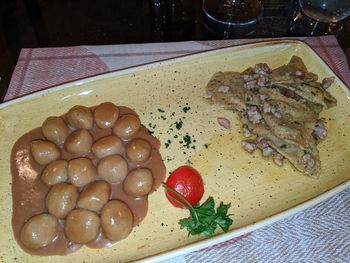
189, 206
178, 195
177, 201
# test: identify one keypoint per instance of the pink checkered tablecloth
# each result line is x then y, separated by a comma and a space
318, 234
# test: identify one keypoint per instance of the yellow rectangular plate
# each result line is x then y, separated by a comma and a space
259, 191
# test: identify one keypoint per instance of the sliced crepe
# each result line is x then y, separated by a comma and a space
294, 153
295, 78
298, 111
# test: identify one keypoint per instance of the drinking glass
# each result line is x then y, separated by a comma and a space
326, 11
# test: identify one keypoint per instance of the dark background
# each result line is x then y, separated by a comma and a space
52, 23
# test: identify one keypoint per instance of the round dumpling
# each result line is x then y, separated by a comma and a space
116, 220
39, 231
106, 115
138, 151
55, 130
127, 126
80, 117
82, 226
113, 169
139, 182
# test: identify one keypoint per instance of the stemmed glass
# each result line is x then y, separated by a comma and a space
326, 11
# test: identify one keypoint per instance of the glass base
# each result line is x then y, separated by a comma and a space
233, 12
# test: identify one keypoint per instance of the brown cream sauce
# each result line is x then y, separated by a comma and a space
29, 192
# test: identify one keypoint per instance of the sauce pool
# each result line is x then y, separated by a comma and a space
29, 192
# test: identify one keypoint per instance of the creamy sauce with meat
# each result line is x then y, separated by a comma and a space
279, 109
29, 192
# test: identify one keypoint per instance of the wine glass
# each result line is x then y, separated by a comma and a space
326, 11
233, 12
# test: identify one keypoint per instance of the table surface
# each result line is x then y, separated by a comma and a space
56, 23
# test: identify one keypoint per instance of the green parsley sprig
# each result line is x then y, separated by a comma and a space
203, 219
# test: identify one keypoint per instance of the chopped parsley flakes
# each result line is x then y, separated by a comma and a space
168, 142
175, 130
186, 109
178, 124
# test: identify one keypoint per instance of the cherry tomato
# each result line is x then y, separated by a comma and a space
186, 181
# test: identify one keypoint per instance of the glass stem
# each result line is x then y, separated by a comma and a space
314, 28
